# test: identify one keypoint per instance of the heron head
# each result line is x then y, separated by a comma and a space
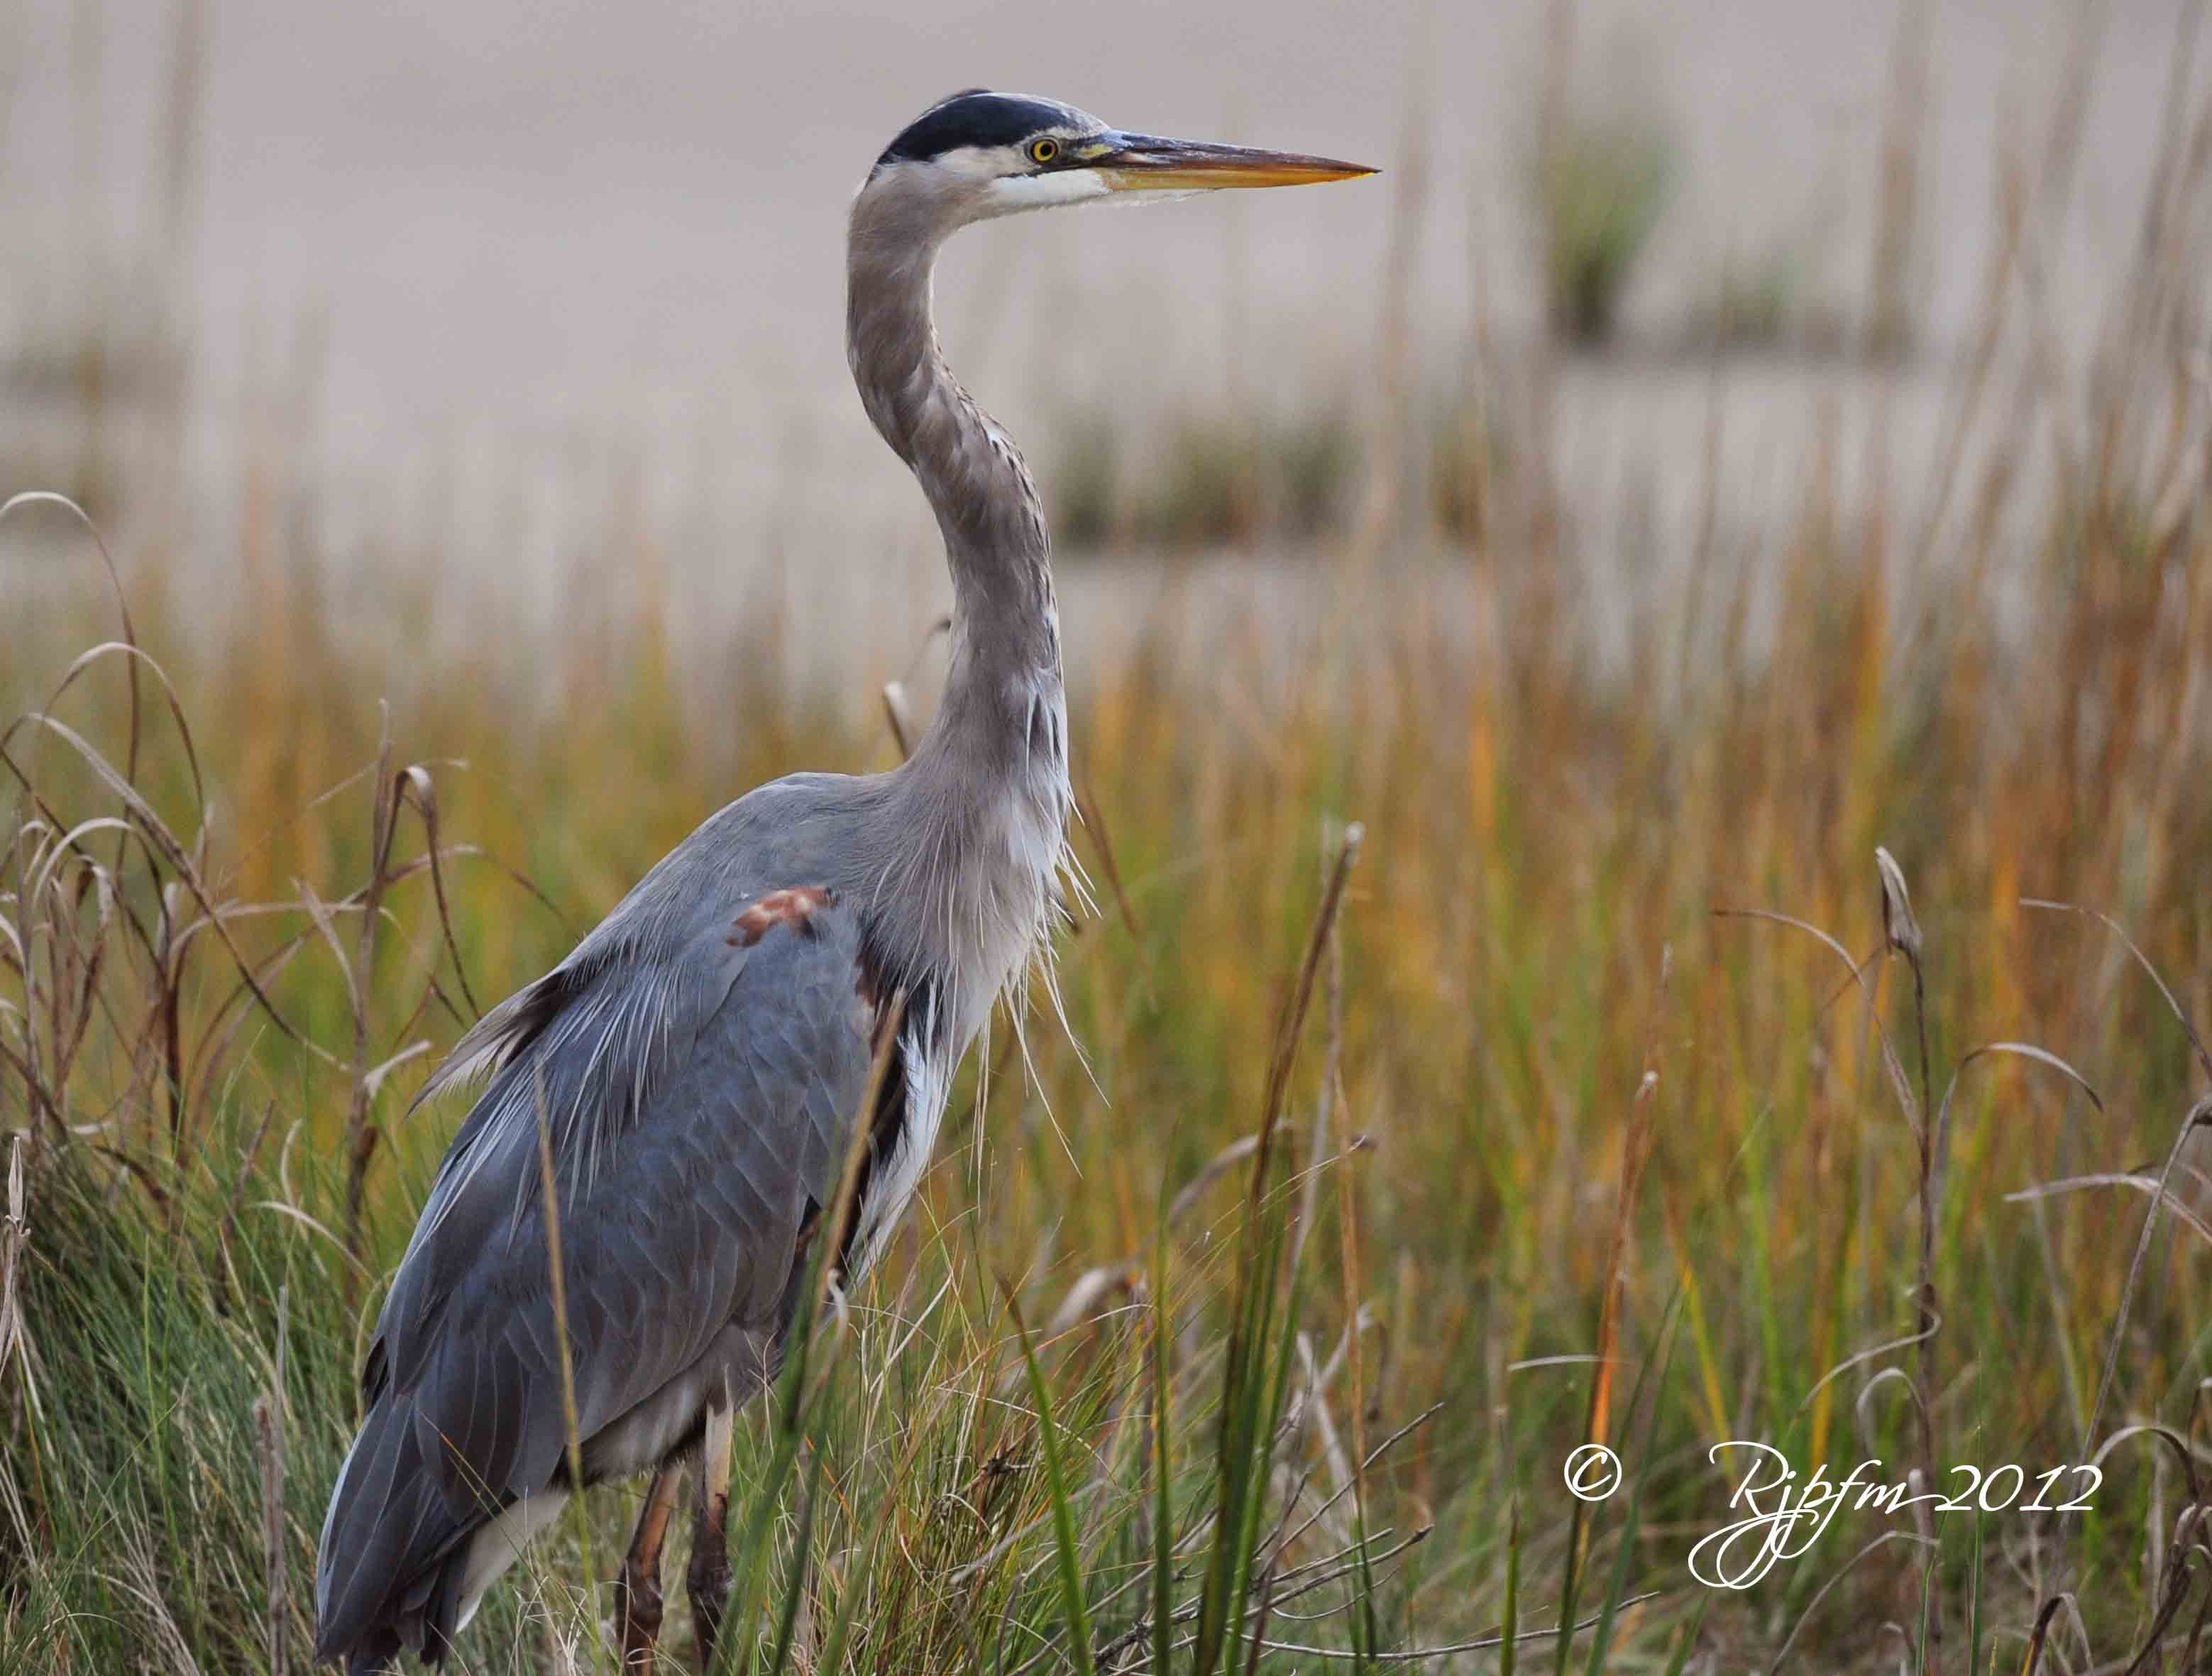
980, 154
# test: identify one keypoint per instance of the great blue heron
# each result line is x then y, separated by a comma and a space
701, 1057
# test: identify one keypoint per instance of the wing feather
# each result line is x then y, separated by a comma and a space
697, 1092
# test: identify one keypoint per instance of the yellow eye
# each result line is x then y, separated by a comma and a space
1044, 151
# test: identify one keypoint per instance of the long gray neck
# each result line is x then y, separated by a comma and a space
995, 544
974, 826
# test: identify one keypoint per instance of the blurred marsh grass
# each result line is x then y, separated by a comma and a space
1214, 480
1599, 184
1566, 1157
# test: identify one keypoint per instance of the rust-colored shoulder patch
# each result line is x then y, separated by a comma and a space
796, 907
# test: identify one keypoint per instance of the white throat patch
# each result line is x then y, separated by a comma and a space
1009, 195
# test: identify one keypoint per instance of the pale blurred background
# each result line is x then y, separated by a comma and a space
474, 276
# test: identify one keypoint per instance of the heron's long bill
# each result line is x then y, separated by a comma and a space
1147, 163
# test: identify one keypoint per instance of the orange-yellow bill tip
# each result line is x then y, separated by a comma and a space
1147, 163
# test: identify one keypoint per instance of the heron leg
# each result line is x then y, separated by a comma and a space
637, 1590
708, 1579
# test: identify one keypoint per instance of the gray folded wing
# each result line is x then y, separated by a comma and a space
697, 1085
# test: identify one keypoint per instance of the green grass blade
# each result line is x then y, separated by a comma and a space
795, 1587
1601, 1641
1163, 1462
1509, 1650
1063, 1517
1687, 1644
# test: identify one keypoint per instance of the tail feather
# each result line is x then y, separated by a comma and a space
389, 1543
378, 1657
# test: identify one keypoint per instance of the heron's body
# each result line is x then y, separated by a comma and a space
700, 1056
696, 1064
